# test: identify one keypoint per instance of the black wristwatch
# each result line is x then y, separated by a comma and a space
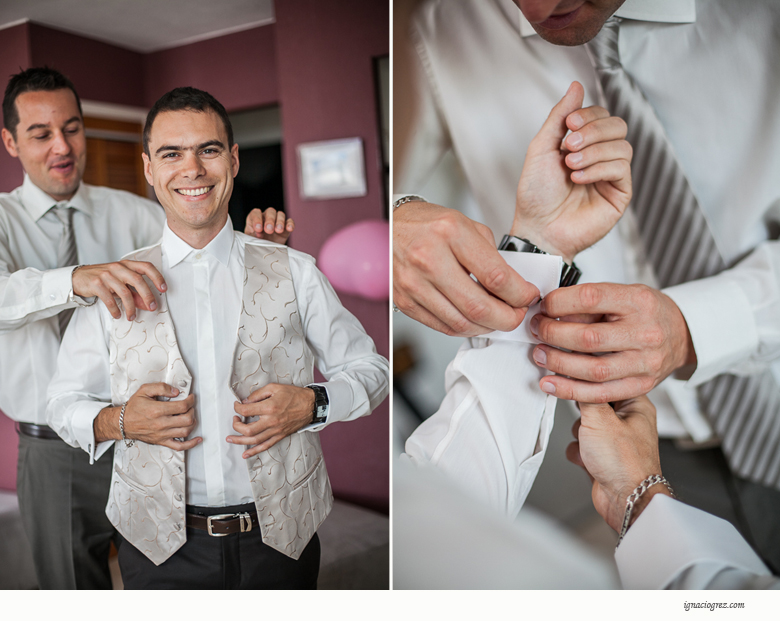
319, 413
570, 275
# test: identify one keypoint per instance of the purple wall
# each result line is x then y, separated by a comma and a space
14, 53
238, 69
325, 50
316, 62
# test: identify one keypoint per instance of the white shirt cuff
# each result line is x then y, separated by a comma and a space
56, 285
84, 415
669, 537
720, 320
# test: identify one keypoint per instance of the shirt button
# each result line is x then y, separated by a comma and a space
52, 297
177, 497
177, 526
182, 383
198, 256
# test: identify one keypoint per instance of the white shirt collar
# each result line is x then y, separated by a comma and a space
176, 249
37, 202
665, 11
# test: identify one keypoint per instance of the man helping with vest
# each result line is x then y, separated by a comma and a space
221, 371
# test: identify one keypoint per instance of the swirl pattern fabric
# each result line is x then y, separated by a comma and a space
289, 482
744, 411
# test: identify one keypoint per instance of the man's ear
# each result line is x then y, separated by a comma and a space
147, 169
10, 143
234, 159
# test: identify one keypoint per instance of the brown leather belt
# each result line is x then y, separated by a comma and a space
223, 524
31, 430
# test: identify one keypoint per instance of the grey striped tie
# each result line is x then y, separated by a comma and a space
67, 253
745, 411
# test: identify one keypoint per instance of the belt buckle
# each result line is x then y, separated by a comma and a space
246, 522
221, 516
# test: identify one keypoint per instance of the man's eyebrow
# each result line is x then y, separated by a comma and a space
202, 145
35, 126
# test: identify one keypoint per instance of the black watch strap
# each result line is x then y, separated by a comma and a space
321, 402
570, 274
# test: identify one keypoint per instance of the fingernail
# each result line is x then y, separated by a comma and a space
540, 357
574, 140
549, 388
534, 326
576, 120
258, 227
279, 228
578, 173
132, 317
153, 306
575, 158
269, 228
163, 287
534, 301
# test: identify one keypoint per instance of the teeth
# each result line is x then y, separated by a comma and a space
196, 192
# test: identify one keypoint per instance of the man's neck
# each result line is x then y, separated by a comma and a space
196, 238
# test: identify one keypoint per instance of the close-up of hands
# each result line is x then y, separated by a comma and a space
270, 224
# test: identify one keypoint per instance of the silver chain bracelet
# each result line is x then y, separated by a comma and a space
128, 443
407, 199
636, 495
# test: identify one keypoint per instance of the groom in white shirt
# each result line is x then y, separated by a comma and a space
243, 510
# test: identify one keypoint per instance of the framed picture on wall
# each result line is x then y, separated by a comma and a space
332, 169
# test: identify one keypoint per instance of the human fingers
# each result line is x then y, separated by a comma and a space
150, 271
254, 223
269, 220
591, 368
607, 336
479, 256
417, 312
597, 393
612, 179
554, 127
581, 117
280, 220
157, 389
600, 130
106, 296
290, 226
592, 299
573, 454
118, 289
600, 152
575, 428
178, 445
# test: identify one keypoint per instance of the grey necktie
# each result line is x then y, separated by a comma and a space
67, 253
745, 411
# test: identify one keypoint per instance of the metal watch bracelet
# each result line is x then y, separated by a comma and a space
570, 274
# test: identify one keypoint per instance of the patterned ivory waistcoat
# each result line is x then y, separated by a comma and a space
289, 481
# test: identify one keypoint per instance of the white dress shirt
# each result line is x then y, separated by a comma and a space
204, 297
486, 82
107, 224
670, 546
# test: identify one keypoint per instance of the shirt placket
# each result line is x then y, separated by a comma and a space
207, 399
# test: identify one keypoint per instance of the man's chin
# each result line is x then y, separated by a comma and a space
569, 36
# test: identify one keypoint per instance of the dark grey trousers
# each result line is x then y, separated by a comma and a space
704, 480
62, 500
237, 561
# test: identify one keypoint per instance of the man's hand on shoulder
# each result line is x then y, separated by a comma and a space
281, 410
638, 333
573, 191
434, 251
123, 279
151, 421
270, 224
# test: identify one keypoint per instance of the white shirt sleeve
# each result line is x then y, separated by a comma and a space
734, 317
81, 387
357, 377
28, 295
675, 546
492, 429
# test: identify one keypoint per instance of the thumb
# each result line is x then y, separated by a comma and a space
596, 414
158, 389
554, 128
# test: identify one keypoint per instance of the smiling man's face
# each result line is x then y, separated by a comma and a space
568, 22
50, 141
191, 168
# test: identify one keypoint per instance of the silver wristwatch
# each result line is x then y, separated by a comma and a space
321, 404
570, 275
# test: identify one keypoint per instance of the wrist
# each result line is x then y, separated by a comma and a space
641, 504
540, 241
106, 425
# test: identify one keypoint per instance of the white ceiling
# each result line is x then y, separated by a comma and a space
141, 25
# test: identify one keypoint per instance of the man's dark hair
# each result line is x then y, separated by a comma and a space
187, 98
30, 81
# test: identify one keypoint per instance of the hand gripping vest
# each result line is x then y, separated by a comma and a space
289, 481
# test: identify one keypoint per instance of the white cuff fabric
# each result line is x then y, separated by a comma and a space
84, 415
720, 320
56, 285
669, 537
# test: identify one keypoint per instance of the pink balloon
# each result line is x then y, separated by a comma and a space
356, 259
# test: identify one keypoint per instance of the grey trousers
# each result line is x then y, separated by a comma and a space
704, 480
62, 500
